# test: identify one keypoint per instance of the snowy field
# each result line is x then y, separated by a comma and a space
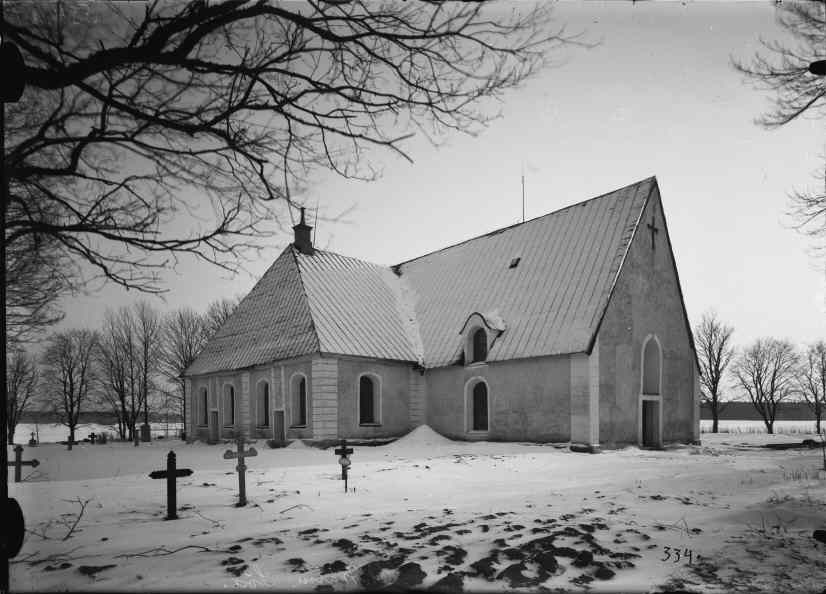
55, 432
427, 512
788, 427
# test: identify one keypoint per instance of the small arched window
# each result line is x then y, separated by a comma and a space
263, 404
479, 404
299, 401
651, 362
368, 405
479, 346
203, 404
229, 406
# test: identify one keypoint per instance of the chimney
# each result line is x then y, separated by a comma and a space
303, 241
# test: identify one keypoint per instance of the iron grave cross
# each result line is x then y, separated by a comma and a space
241, 467
19, 462
654, 230
170, 474
344, 460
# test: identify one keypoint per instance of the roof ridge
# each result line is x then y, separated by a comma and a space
293, 251
506, 228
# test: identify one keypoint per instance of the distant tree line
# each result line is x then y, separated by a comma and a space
766, 372
133, 363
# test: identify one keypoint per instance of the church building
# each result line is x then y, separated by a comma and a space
569, 327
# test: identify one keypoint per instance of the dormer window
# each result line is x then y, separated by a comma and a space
479, 348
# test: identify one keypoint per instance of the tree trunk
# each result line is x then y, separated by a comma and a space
770, 427
71, 436
715, 417
817, 423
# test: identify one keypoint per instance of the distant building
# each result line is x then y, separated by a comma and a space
567, 327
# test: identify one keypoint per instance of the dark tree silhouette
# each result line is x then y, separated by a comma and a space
69, 373
21, 384
812, 380
714, 352
137, 115
782, 68
766, 371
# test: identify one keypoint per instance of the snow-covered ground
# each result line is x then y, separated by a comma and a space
751, 426
426, 511
55, 432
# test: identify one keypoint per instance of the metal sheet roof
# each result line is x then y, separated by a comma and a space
272, 322
551, 301
357, 307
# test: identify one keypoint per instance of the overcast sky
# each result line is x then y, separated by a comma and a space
658, 96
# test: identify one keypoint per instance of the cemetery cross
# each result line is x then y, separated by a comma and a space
344, 453
19, 462
170, 474
241, 467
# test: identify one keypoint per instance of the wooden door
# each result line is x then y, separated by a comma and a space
650, 421
278, 426
213, 426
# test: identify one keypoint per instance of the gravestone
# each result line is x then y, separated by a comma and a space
344, 460
171, 473
19, 463
240, 454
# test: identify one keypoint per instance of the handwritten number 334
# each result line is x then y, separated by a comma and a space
672, 554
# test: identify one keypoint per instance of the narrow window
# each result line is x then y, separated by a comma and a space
651, 368
480, 407
229, 406
204, 402
367, 401
480, 345
264, 404
300, 401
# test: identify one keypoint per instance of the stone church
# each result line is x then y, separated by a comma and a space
569, 327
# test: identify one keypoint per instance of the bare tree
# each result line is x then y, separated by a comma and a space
21, 384
69, 373
184, 335
783, 69
218, 312
130, 357
136, 115
766, 372
714, 352
149, 332
812, 380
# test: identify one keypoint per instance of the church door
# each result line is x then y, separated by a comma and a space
213, 426
650, 420
278, 427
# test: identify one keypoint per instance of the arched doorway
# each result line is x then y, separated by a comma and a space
650, 409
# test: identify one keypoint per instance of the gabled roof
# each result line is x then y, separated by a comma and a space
321, 303
551, 301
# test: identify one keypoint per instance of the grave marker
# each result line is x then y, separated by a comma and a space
344, 453
19, 463
170, 474
241, 467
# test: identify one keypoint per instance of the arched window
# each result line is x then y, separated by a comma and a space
229, 406
299, 400
368, 400
263, 404
651, 361
480, 345
479, 407
203, 404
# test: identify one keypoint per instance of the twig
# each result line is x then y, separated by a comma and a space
52, 557
163, 551
83, 504
295, 506
215, 523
